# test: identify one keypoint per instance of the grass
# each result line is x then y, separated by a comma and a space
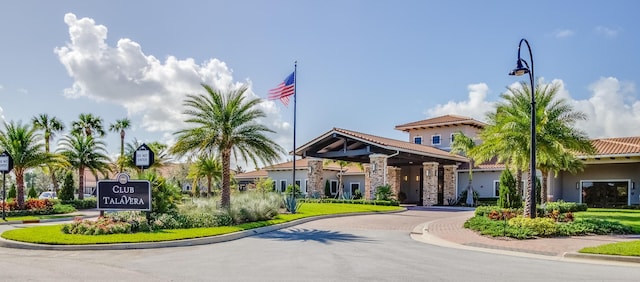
52, 234
630, 218
626, 217
38, 217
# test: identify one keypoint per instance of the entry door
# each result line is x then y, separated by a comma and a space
440, 186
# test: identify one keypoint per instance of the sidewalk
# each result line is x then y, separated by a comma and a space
450, 232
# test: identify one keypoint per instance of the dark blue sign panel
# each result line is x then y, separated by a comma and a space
124, 194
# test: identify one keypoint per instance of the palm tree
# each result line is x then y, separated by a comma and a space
25, 146
342, 164
463, 144
208, 166
84, 152
226, 123
507, 135
50, 126
120, 126
88, 124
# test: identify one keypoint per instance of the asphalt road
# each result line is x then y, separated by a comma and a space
359, 248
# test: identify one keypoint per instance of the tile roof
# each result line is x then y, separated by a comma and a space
446, 120
617, 146
261, 173
407, 146
304, 164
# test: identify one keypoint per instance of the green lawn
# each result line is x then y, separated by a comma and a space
626, 217
52, 234
38, 217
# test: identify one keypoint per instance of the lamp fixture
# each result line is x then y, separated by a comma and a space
418, 178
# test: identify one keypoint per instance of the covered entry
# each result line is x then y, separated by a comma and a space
419, 173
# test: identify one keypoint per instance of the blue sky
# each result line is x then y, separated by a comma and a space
362, 65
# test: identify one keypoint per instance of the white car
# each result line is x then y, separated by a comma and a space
48, 195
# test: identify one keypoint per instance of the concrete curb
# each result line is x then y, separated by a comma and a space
43, 220
177, 243
421, 233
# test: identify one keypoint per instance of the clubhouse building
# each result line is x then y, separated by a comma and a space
423, 171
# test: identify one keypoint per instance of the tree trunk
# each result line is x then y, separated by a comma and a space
543, 188
20, 187
122, 150
519, 183
54, 180
529, 198
340, 188
81, 183
225, 200
209, 185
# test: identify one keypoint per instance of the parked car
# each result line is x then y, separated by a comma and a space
48, 195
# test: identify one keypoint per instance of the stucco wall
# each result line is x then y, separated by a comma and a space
444, 132
622, 172
482, 182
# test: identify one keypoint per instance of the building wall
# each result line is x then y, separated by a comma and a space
408, 183
482, 182
445, 134
571, 192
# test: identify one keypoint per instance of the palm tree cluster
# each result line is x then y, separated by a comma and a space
224, 124
506, 138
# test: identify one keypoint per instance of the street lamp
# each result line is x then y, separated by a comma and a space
518, 71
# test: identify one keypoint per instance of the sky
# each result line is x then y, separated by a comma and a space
365, 66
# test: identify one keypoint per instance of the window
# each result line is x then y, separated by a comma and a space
496, 188
453, 135
273, 185
435, 140
283, 185
355, 189
298, 184
605, 193
306, 184
334, 187
417, 140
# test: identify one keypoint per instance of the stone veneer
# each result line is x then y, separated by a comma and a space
430, 184
315, 186
449, 183
393, 178
376, 176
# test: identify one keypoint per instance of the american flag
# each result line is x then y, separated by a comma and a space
284, 89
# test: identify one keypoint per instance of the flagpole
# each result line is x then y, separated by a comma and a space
295, 77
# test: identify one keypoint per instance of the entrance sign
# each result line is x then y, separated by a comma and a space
6, 162
124, 194
143, 157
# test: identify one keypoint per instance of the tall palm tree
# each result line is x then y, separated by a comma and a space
88, 124
507, 135
120, 126
226, 123
208, 166
84, 152
25, 146
463, 144
342, 164
50, 126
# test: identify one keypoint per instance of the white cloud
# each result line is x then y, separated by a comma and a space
145, 86
22, 90
612, 110
563, 33
1, 87
606, 31
476, 107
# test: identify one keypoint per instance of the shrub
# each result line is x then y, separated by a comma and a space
562, 207
250, 207
291, 204
164, 196
87, 203
383, 193
508, 192
289, 191
32, 194
101, 226
327, 189
60, 208
497, 228
541, 226
12, 192
66, 193
462, 198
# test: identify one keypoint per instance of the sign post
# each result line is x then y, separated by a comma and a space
6, 165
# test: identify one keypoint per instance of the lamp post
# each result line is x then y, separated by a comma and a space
518, 71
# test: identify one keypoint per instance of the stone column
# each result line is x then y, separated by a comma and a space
393, 178
430, 184
367, 181
316, 187
449, 183
377, 172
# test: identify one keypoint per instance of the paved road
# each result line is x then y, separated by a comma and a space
359, 248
